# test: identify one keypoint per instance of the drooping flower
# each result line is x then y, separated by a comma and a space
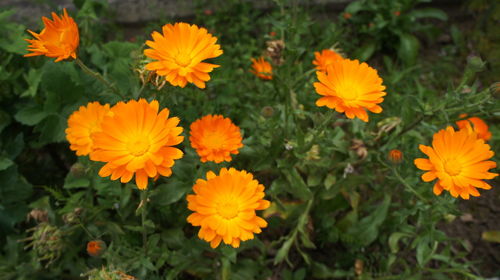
459, 162
215, 138
224, 207
262, 68
137, 140
179, 52
478, 125
395, 156
325, 58
59, 38
95, 248
82, 123
350, 87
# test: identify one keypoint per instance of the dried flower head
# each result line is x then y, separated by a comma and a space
137, 140
39, 215
275, 51
179, 51
359, 147
107, 273
459, 162
59, 39
262, 68
215, 138
46, 242
224, 207
350, 87
82, 123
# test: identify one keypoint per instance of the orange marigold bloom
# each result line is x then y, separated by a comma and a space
81, 125
215, 138
395, 156
224, 207
347, 15
350, 87
179, 53
262, 68
478, 125
58, 39
95, 248
325, 58
136, 139
458, 159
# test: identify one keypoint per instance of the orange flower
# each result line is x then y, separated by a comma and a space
262, 69
136, 139
224, 207
350, 87
479, 126
82, 123
397, 13
395, 156
458, 159
58, 39
179, 53
95, 248
347, 15
325, 58
215, 138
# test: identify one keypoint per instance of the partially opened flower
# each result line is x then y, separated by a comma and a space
325, 58
262, 68
476, 124
59, 38
215, 138
224, 207
179, 51
137, 140
459, 162
81, 125
96, 248
350, 87
395, 156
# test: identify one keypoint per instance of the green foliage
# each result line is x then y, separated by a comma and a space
340, 209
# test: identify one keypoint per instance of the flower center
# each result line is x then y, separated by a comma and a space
183, 59
228, 209
138, 148
348, 91
452, 167
214, 140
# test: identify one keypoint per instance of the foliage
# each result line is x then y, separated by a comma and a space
340, 209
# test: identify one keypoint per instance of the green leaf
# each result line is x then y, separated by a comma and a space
30, 115
297, 186
171, 192
366, 51
394, 239
4, 120
5, 163
408, 48
321, 271
283, 251
354, 7
429, 13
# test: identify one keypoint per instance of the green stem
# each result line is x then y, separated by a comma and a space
144, 200
410, 188
226, 268
98, 76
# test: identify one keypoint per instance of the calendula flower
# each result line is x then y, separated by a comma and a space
215, 138
224, 207
351, 88
137, 140
82, 123
325, 58
58, 39
476, 124
395, 156
95, 248
459, 162
179, 52
262, 68
347, 15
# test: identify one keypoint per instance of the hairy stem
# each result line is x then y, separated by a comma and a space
98, 76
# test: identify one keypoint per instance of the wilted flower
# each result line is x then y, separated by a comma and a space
267, 111
46, 241
458, 159
262, 69
179, 53
275, 51
59, 39
39, 215
215, 138
351, 88
137, 140
107, 273
224, 207
360, 148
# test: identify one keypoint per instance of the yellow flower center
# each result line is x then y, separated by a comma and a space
348, 91
138, 148
183, 59
452, 167
214, 140
228, 209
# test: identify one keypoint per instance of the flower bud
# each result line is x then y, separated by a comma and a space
395, 156
95, 248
